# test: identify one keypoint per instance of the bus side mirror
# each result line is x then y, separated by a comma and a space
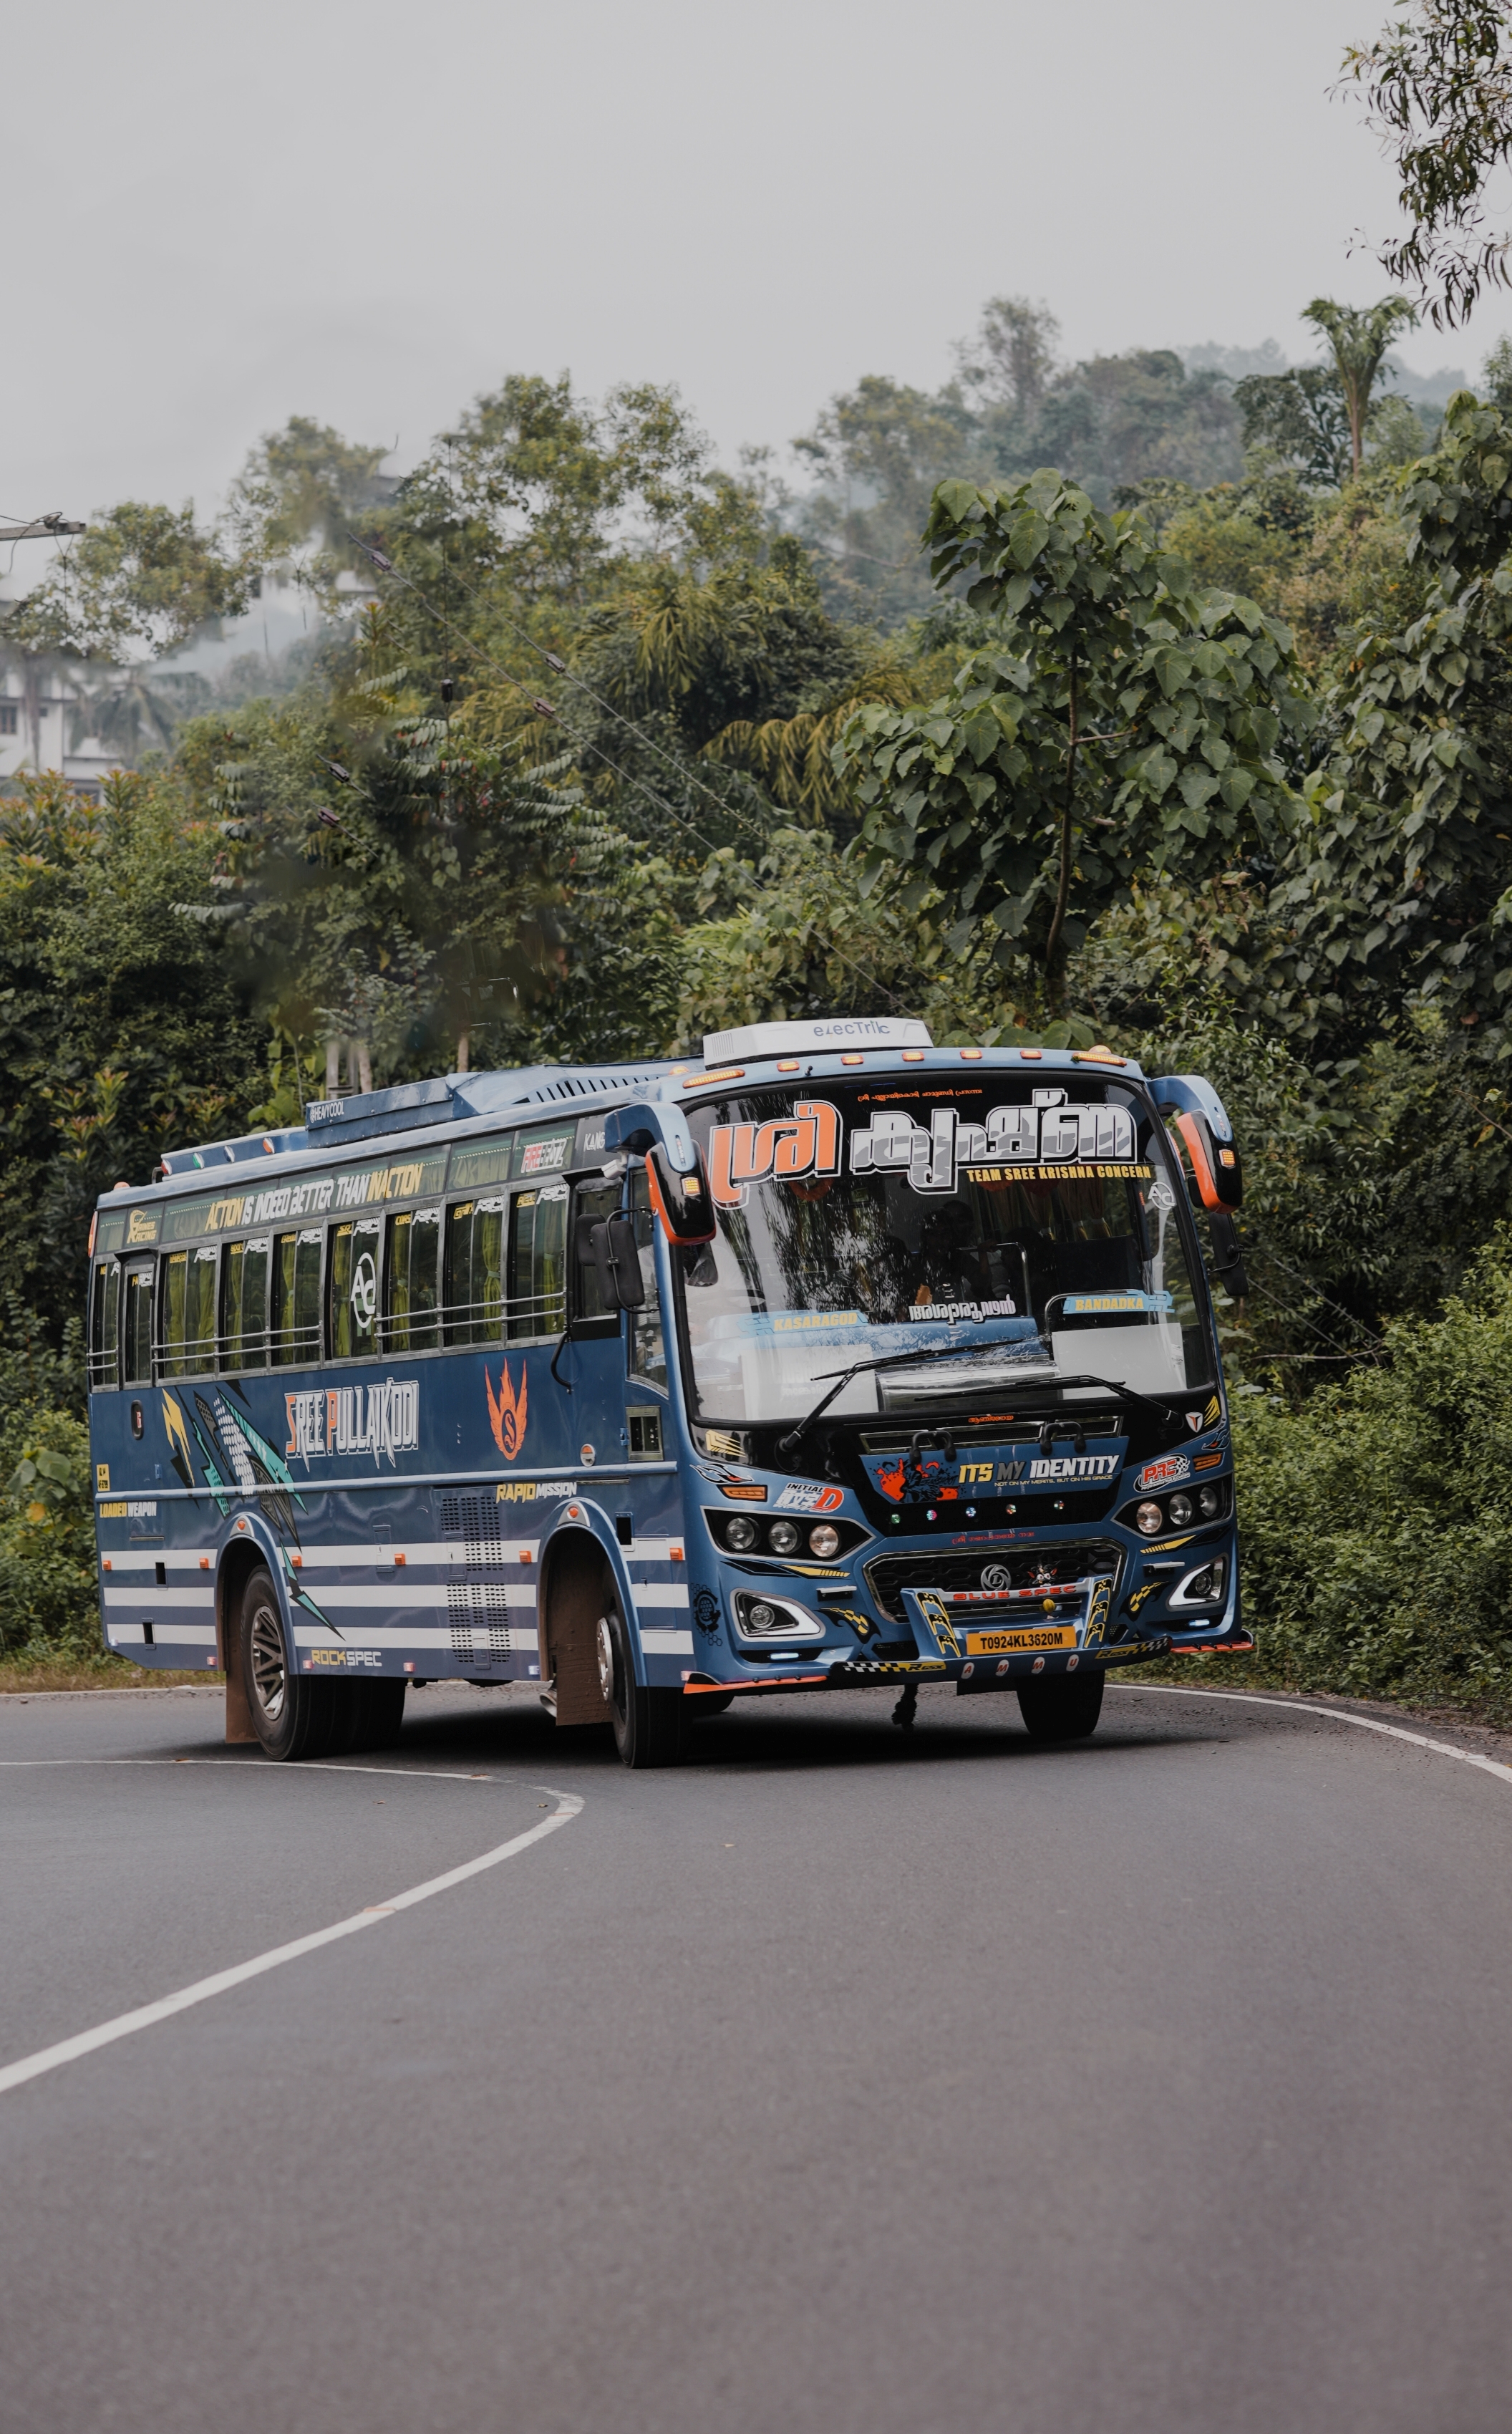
1203, 1120
683, 1202
1228, 1259
612, 1240
1216, 1165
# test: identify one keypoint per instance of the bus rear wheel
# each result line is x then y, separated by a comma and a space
648, 1724
292, 1716
1062, 1707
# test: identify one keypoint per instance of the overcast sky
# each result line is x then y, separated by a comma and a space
217, 218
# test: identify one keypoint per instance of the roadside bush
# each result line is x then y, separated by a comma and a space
48, 1600
1376, 1519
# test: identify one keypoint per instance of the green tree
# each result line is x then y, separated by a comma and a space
1358, 340
1401, 876
1437, 88
123, 1030
1297, 418
301, 489
140, 578
1120, 723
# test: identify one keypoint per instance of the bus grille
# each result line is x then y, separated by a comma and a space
1013, 1567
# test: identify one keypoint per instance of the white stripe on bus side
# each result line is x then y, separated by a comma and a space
417, 1635
667, 1643
164, 1634
415, 1593
659, 1593
133, 1596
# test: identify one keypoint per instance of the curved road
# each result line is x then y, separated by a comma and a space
835, 2080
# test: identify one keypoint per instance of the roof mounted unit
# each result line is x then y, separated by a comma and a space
822, 1037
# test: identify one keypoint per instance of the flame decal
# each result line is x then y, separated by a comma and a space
506, 1416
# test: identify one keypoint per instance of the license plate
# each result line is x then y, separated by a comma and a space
1004, 1643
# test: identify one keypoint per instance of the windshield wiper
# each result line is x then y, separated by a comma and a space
1124, 1394
794, 1437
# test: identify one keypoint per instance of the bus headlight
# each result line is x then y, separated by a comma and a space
823, 1539
1210, 1501
739, 1532
782, 1537
1149, 1521
1180, 1510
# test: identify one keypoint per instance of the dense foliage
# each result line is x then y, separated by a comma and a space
1198, 743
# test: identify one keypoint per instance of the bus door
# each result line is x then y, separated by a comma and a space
619, 1314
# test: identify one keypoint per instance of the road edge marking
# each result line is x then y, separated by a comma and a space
147, 2016
1337, 1715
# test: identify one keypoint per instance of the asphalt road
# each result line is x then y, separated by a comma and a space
835, 2080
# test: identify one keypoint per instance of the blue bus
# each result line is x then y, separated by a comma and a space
836, 1358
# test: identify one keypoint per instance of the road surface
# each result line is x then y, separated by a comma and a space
835, 2080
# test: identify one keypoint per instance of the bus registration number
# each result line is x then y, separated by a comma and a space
1003, 1643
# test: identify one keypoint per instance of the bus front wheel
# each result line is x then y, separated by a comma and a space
292, 1716
1062, 1707
648, 1724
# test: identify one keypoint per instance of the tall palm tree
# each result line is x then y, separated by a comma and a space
1358, 341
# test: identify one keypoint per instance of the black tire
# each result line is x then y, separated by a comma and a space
292, 1716
1062, 1707
648, 1724
367, 1716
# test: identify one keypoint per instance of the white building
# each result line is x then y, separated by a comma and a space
43, 707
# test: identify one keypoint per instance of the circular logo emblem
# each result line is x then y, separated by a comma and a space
1160, 1196
997, 1576
587, 1455
365, 1293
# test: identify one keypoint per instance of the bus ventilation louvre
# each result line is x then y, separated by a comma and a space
477, 1610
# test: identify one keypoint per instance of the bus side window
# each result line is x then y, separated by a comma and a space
295, 1332
105, 1324
475, 1285
412, 1280
648, 1346
137, 1328
188, 1284
244, 1304
537, 1263
352, 1288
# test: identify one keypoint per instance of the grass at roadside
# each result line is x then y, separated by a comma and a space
34, 1674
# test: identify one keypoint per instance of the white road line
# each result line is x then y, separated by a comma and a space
71, 2049
1338, 1715
273, 1773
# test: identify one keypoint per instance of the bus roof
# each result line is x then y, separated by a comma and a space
459, 1100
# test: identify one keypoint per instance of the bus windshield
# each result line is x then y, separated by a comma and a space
1037, 1232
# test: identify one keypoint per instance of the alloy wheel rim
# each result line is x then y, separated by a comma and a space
269, 1673
605, 1649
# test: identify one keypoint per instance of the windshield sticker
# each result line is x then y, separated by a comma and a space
1011, 1137
797, 1498
961, 1310
1101, 1304
1015, 1144
789, 1149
